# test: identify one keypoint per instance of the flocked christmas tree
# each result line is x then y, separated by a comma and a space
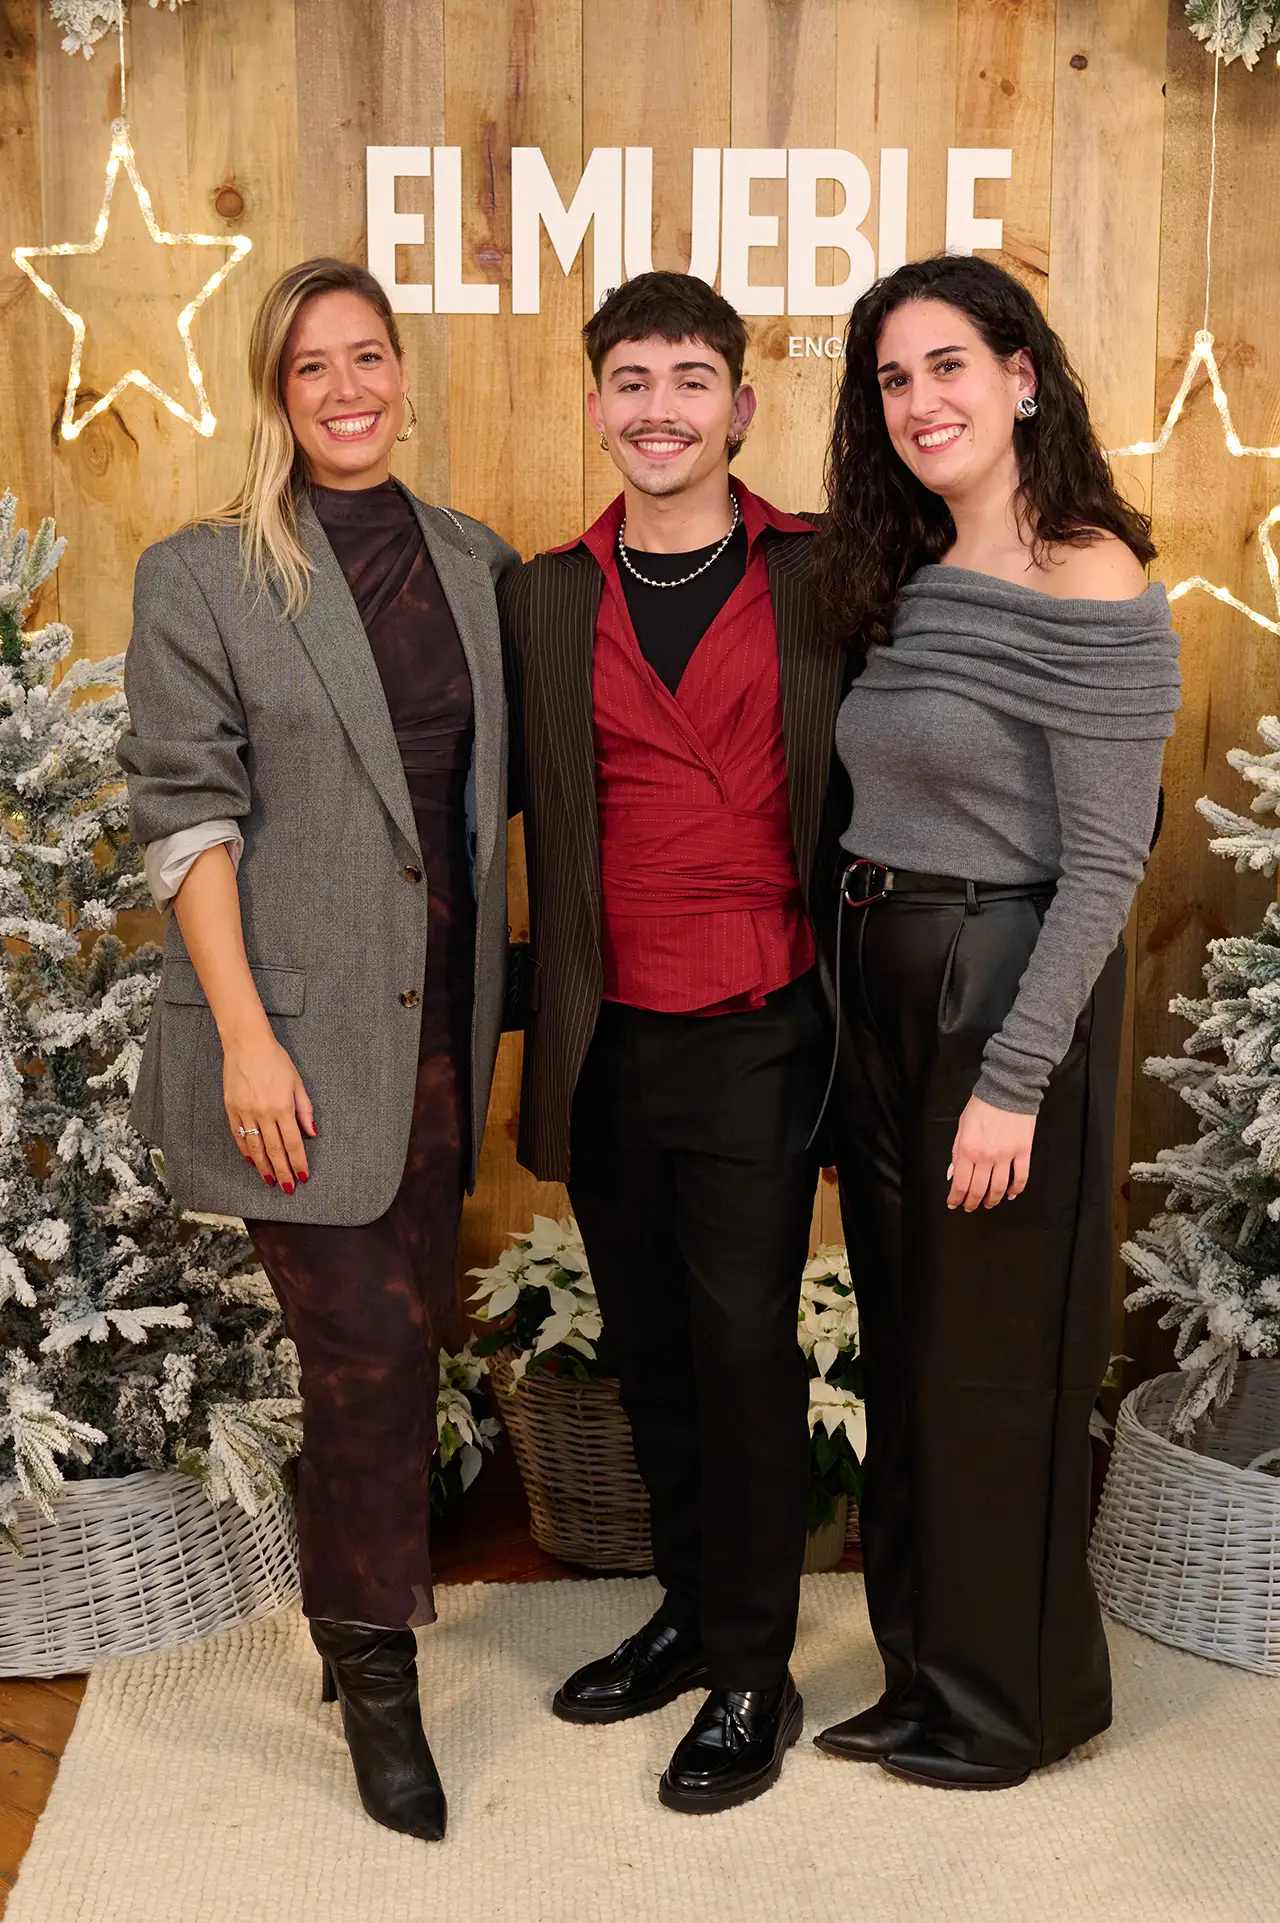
132, 1335
1236, 29
1211, 1260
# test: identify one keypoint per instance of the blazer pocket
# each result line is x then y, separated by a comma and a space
283, 991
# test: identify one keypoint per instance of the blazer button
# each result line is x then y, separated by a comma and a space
413, 874
409, 996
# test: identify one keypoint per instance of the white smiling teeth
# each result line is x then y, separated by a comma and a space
941, 438
351, 427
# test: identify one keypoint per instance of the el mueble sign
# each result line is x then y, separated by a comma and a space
613, 203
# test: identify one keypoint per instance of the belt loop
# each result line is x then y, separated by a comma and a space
972, 906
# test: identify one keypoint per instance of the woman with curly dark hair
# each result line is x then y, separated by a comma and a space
1004, 739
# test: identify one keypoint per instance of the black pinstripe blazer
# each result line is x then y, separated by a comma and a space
548, 611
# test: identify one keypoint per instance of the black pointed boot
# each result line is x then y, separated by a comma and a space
374, 1674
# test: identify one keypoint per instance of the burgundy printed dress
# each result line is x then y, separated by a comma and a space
365, 1305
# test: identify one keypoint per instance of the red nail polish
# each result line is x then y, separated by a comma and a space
287, 1187
270, 1181
304, 1177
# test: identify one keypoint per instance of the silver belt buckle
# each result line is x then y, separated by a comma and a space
879, 880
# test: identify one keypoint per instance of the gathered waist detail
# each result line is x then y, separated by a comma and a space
670, 859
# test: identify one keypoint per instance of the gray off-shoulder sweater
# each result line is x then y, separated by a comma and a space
1010, 736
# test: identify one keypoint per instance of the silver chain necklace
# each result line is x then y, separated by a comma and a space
631, 568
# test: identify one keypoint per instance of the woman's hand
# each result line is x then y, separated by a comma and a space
990, 1157
267, 1106
268, 1109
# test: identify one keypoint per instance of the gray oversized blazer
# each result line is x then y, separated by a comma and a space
281, 725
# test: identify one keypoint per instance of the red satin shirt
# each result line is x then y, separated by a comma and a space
701, 908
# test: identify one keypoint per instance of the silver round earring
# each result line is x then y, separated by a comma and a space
1027, 407
413, 420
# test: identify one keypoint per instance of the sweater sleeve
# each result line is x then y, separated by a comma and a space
1107, 793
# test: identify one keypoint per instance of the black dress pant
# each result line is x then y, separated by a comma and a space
694, 1190
984, 1335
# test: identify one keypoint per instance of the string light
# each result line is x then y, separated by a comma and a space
1202, 355
237, 245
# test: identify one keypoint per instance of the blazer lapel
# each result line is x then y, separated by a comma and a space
468, 589
810, 671
334, 637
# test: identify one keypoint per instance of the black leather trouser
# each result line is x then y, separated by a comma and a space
984, 1335
693, 1187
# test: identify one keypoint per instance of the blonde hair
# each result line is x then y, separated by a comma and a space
266, 507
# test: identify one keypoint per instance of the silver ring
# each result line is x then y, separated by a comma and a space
248, 1131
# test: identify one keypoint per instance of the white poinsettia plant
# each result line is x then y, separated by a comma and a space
540, 1304
465, 1434
828, 1332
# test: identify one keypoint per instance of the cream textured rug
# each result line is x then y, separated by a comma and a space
209, 1786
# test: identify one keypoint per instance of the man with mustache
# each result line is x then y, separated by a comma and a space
672, 715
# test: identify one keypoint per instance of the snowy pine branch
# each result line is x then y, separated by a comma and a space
1236, 29
84, 22
135, 1335
1211, 1260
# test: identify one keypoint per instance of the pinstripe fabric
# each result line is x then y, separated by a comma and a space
549, 611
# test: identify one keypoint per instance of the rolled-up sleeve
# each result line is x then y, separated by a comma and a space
183, 752
168, 860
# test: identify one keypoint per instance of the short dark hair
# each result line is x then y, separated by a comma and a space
675, 307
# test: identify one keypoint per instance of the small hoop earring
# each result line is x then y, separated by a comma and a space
1027, 408
734, 442
413, 420
604, 444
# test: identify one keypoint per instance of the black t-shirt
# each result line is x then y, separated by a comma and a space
670, 622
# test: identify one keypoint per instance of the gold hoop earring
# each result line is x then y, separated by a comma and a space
604, 444
734, 442
413, 420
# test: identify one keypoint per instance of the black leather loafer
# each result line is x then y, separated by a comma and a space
869, 1736
647, 1671
734, 1750
921, 1761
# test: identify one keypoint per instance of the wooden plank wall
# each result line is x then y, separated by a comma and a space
1106, 110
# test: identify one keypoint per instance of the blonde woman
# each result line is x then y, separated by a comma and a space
316, 769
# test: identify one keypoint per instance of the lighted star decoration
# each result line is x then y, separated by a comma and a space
237, 246
1202, 355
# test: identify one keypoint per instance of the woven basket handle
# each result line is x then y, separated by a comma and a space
1265, 1460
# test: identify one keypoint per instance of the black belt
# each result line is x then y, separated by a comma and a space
865, 882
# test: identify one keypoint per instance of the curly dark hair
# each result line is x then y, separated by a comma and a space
882, 523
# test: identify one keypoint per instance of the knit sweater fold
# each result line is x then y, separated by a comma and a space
1011, 736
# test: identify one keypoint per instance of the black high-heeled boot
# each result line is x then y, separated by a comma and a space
374, 1675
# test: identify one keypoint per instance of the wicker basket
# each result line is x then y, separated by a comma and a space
1187, 1542
825, 1545
572, 1443
137, 1563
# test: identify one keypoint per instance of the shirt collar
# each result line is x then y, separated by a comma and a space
757, 515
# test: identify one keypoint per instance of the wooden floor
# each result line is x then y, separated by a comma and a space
35, 1722
488, 1542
